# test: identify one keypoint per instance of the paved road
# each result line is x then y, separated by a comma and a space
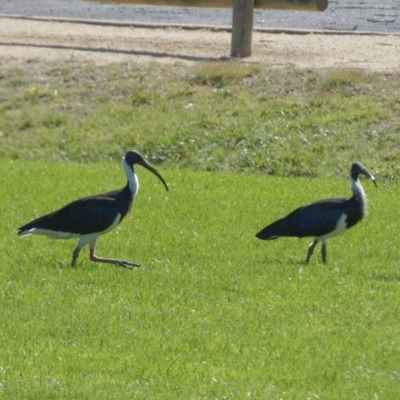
357, 15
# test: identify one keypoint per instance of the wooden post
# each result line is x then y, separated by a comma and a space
242, 28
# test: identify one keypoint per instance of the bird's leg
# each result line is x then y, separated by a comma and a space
75, 256
324, 253
120, 263
311, 250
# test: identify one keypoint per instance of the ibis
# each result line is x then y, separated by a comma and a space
90, 217
323, 219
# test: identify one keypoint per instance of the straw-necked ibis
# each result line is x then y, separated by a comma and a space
93, 216
325, 218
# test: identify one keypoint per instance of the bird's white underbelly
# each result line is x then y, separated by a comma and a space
70, 235
51, 234
341, 227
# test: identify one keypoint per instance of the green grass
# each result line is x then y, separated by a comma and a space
214, 116
212, 312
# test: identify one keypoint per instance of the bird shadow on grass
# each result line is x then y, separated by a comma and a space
117, 51
291, 261
64, 264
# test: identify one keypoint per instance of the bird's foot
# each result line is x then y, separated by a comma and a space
120, 263
126, 264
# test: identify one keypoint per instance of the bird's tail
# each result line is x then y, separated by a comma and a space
23, 233
272, 231
29, 228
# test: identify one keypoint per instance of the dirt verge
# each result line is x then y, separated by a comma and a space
23, 40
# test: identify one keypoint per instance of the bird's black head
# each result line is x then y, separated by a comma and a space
133, 157
357, 169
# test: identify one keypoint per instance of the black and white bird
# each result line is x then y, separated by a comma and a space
93, 216
325, 218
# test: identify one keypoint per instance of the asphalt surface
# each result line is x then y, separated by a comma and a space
342, 15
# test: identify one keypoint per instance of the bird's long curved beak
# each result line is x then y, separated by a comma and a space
370, 176
148, 166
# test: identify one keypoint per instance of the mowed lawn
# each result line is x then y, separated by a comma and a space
212, 313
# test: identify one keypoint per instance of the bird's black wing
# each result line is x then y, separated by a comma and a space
84, 216
319, 218
316, 219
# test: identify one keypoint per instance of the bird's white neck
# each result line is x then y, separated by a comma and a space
359, 194
132, 178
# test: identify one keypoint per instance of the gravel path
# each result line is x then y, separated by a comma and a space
24, 40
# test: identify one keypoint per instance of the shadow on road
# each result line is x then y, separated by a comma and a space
116, 51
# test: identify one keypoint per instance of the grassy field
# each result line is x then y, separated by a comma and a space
213, 313
218, 117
